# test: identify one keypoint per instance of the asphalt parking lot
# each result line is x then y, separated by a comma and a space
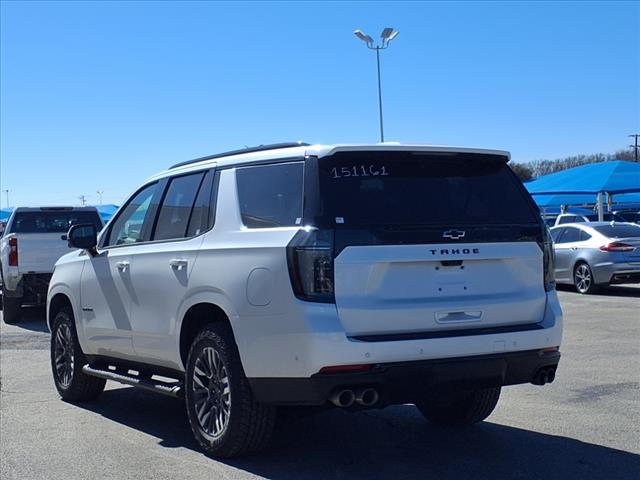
583, 426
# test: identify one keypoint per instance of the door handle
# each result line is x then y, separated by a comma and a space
178, 263
122, 266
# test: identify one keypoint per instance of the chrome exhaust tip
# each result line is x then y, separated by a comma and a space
343, 398
367, 397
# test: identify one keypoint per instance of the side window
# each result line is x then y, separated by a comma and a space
570, 235
584, 236
128, 227
176, 207
556, 234
203, 208
271, 195
567, 219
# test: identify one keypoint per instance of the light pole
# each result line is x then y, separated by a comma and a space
635, 146
387, 35
100, 192
6, 192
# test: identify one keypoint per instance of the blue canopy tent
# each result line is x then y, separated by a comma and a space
107, 211
5, 213
587, 184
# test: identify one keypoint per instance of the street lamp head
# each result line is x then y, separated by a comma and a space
363, 36
388, 34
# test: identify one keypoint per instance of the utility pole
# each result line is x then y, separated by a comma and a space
6, 192
83, 200
635, 144
386, 36
100, 192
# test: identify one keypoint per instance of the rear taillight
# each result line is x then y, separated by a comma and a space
617, 247
548, 260
13, 252
310, 259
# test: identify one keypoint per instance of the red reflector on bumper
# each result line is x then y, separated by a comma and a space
346, 368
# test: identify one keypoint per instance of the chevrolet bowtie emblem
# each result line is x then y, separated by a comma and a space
454, 234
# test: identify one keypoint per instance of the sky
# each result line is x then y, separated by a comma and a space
98, 96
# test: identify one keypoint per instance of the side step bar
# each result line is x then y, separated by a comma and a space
170, 389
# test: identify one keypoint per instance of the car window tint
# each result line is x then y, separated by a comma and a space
619, 231
128, 226
567, 219
400, 188
202, 215
556, 234
570, 235
584, 236
52, 221
271, 195
176, 207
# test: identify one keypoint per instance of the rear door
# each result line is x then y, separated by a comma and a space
161, 269
566, 250
431, 243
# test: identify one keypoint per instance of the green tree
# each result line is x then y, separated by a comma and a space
522, 170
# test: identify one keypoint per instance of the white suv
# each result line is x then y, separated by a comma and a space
340, 276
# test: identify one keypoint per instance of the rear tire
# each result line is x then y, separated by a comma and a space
11, 309
583, 278
67, 361
462, 407
224, 416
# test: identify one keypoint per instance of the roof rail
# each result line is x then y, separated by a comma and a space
259, 148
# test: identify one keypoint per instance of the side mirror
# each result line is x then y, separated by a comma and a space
84, 236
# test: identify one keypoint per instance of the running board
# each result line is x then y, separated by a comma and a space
170, 389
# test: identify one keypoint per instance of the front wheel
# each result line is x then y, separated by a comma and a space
461, 407
67, 361
224, 416
583, 278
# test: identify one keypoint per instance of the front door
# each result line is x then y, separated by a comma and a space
107, 292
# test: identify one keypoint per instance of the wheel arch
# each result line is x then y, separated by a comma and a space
577, 262
57, 299
195, 318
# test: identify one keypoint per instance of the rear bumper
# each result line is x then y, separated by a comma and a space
616, 273
408, 382
30, 287
303, 341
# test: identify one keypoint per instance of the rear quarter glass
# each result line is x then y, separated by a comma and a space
403, 188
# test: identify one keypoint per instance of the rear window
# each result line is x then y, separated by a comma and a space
271, 195
570, 235
606, 217
398, 188
618, 231
47, 221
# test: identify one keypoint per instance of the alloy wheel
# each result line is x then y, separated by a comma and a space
211, 392
583, 278
63, 355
